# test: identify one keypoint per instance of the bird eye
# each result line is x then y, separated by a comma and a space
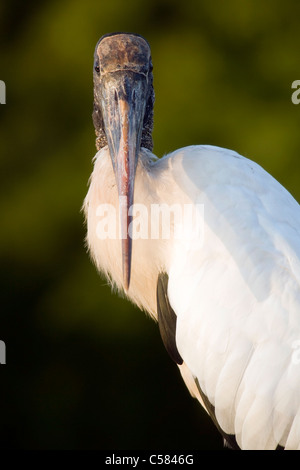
97, 69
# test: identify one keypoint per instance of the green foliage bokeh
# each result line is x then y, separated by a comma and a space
85, 368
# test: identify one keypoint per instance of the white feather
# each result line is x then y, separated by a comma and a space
235, 288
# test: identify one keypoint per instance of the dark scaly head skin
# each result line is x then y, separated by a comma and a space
116, 52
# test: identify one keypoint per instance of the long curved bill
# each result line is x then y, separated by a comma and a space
123, 113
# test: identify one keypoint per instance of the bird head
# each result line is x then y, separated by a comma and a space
123, 117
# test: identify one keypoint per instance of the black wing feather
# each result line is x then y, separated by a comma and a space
167, 326
167, 318
229, 439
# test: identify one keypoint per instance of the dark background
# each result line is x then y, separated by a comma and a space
86, 369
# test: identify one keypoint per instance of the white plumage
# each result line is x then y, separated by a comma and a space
237, 299
235, 289
236, 294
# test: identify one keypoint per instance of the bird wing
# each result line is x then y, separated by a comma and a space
167, 320
234, 287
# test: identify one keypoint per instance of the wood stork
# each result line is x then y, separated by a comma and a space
227, 298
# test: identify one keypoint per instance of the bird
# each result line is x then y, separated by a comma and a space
218, 269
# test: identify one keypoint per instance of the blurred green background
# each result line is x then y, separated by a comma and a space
85, 369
